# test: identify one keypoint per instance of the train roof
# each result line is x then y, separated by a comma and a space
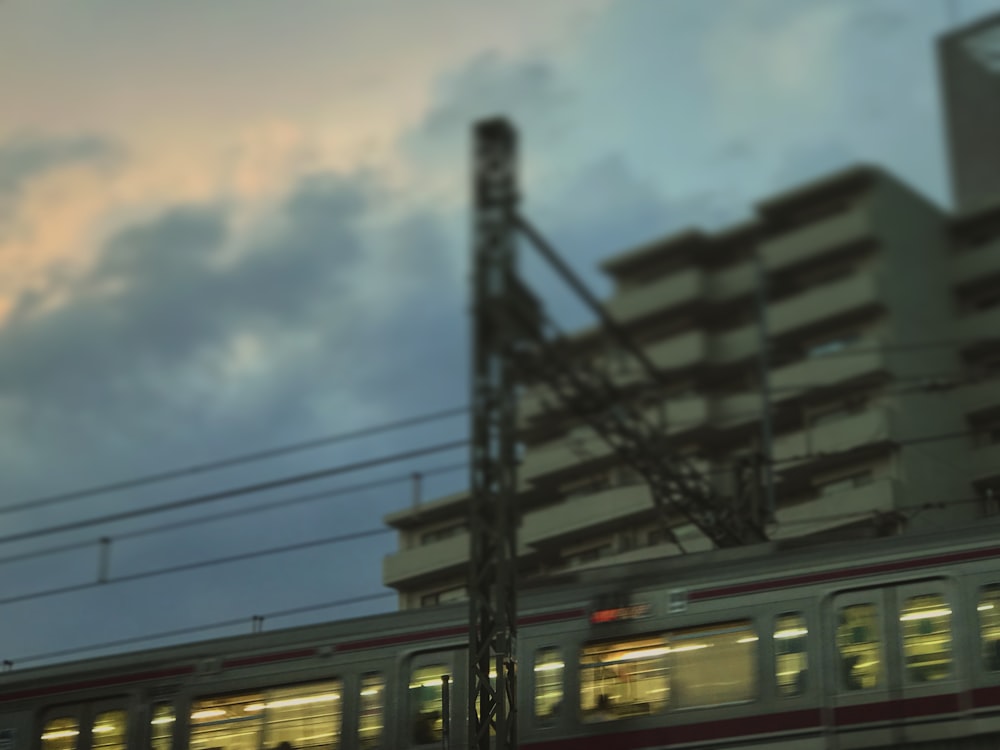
724, 570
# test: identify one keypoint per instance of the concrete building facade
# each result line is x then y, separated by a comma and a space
969, 68
883, 316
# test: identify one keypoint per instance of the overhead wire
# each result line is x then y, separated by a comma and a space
186, 471
232, 492
242, 512
185, 567
274, 615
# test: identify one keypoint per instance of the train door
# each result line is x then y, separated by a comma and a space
924, 617
858, 681
424, 718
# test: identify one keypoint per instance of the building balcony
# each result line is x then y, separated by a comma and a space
580, 517
427, 561
737, 281
735, 345
836, 509
676, 353
851, 295
973, 266
980, 397
580, 447
676, 290
817, 239
980, 326
986, 463
830, 440
827, 372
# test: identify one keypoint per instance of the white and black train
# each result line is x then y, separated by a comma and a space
884, 642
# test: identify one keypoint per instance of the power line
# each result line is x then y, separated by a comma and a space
201, 520
233, 492
184, 567
208, 626
187, 471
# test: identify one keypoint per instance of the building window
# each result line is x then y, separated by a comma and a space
448, 596
549, 670
835, 412
926, 624
832, 344
588, 555
844, 484
859, 646
436, 535
790, 659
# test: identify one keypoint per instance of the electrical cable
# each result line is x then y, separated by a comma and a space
233, 492
186, 471
201, 520
185, 567
208, 626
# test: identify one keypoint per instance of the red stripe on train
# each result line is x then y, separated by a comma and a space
836, 575
97, 683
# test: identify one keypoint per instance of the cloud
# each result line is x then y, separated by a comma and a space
529, 92
25, 156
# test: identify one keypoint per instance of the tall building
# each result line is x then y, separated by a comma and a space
883, 317
969, 65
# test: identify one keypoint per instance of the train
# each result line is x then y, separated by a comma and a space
880, 642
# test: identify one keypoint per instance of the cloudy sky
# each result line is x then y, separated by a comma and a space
230, 226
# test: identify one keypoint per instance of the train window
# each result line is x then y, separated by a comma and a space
109, 731
161, 727
60, 734
713, 665
926, 624
425, 702
624, 678
549, 669
305, 716
989, 626
371, 718
859, 647
790, 660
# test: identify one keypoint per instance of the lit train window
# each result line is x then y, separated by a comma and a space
713, 665
425, 703
624, 678
705, 666
926, 624
297, 718
304, 716
549, 670
989, 626
371, 711
108, 731
859, 647
60, 734
790, 661
161, 727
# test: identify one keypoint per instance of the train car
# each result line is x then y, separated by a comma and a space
875, 643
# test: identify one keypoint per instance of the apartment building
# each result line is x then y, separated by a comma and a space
883, 322
969, 68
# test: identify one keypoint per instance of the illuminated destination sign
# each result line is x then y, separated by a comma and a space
620, 614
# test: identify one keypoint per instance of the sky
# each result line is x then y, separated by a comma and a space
231, 226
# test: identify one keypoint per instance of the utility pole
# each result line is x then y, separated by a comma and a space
493, 516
